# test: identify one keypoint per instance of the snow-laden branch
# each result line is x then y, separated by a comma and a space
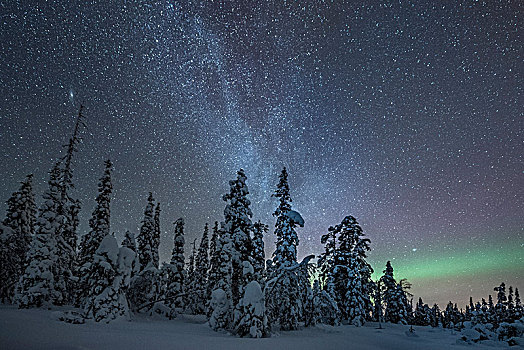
273, 282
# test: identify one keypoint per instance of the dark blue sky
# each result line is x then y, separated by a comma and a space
407, 115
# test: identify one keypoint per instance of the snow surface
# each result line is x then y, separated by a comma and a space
38, 329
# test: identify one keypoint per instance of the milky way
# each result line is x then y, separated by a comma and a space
407, 115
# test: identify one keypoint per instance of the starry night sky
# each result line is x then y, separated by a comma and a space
407, 115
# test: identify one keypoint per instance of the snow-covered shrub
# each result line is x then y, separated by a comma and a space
161, 309
329, 312
144, 289
485, 330
470, 336
220, 304
108, 279
73, 317
253, 320
511, 332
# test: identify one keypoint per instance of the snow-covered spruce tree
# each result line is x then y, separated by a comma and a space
352, 273
310, 312
326, 260
378, 309
304, 274
108, 278
146, 237
519, 312
214, 260
476, 314
147, 286
156, 236
253, 320
36, 286
7, 263
451, 317
284, 301
511, 306
99, 225
435, 316
287, 239
257, 254
469, 310
100, 219
189, 298
325, 307
72, 206
501, 306
237, 222
326, 263
393, 297
16, 238
467, 314
403, 294
68, 240
490, 314
458, 317
422, 314
200, 275
221, 300
484, 312
174, 273
355, 300
238, 225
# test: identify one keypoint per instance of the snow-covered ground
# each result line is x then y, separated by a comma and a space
39, 329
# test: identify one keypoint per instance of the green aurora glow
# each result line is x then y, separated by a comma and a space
456, 271
457, 264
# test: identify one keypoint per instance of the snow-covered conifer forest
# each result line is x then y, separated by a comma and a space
61, 288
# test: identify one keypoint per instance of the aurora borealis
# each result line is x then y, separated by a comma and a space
407, 115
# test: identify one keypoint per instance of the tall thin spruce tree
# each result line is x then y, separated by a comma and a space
287, 239
502, 301
326, 261
214, 261
220, 305
237, 222
174, 272
394, 298
378, 309
352, 273
99, 225
190, 280
146, 237
200, 274
284, 301
68, 239
156, 236
258, 255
